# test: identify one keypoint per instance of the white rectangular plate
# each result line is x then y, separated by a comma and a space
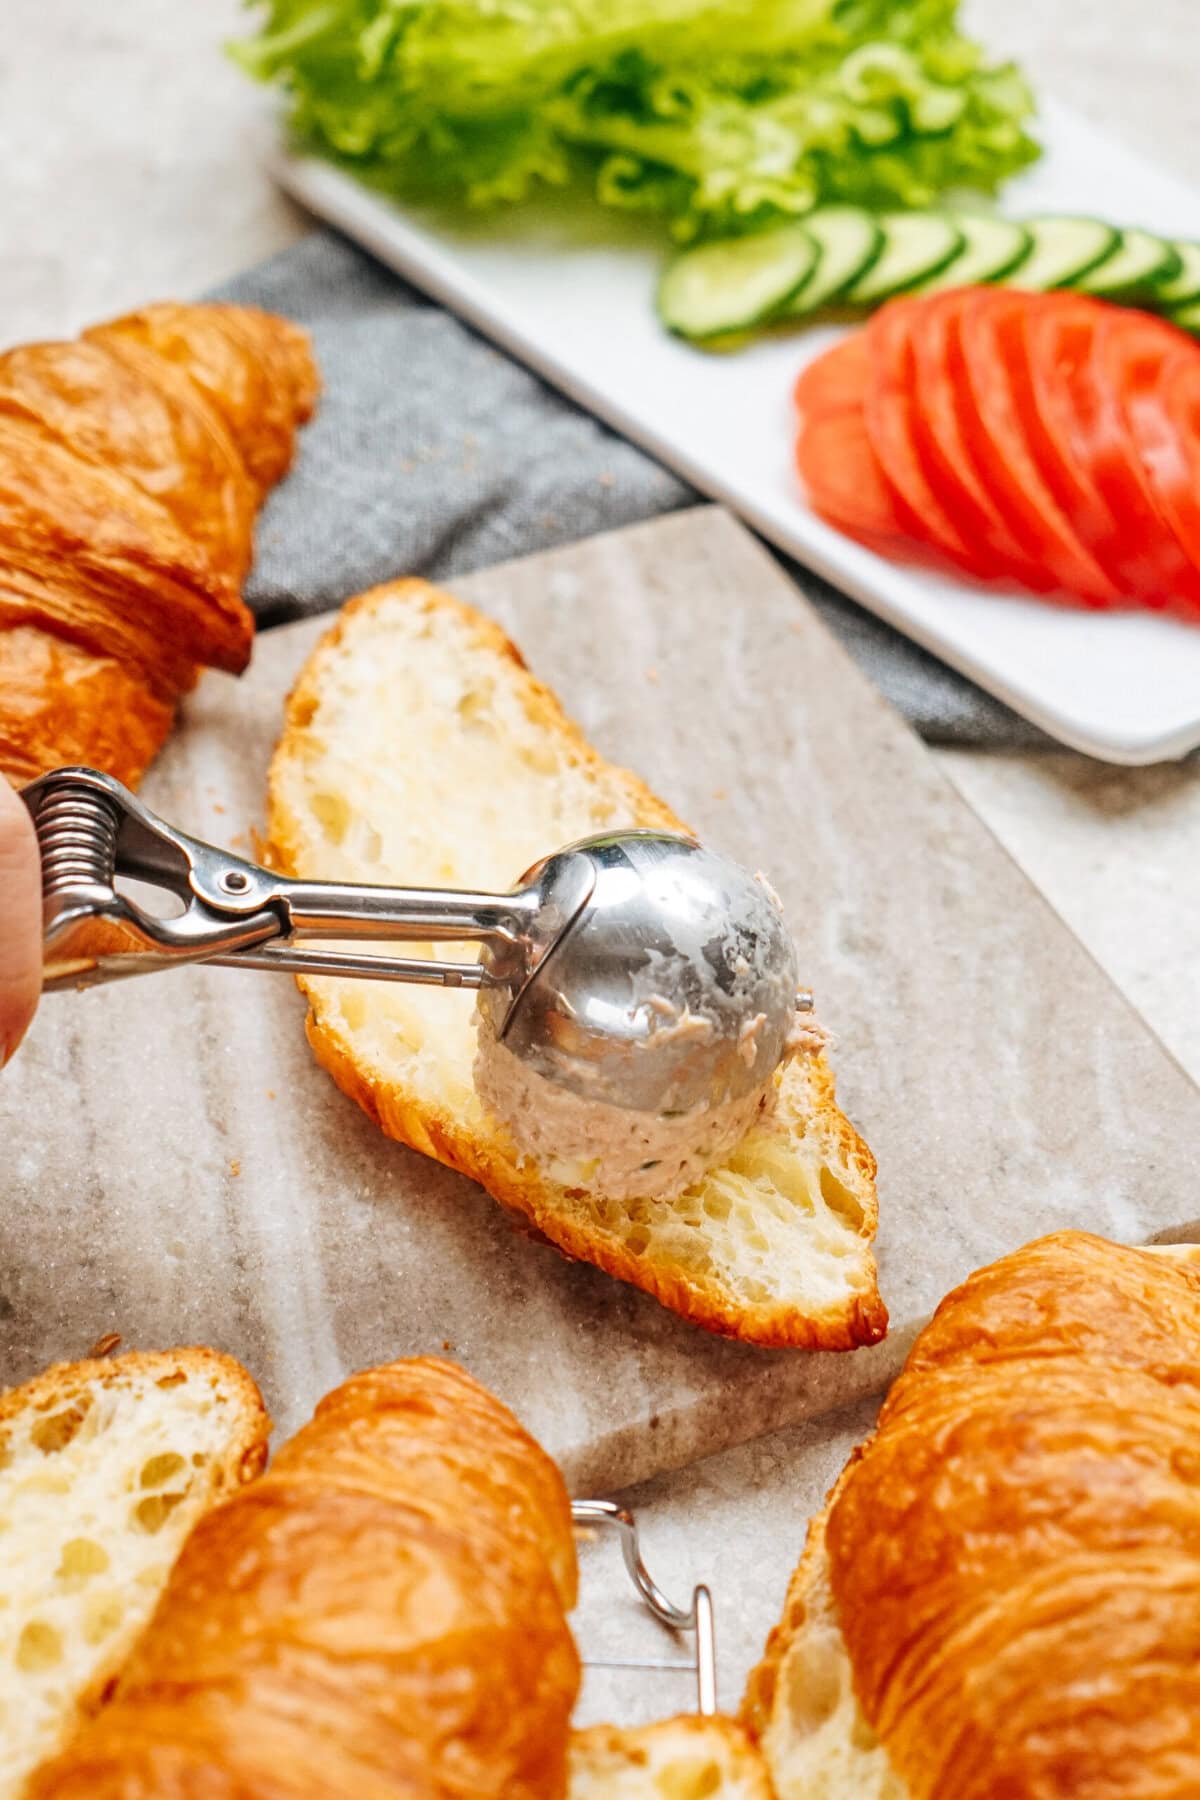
573, 297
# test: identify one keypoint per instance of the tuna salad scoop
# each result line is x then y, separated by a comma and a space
649, 1041
628, 1155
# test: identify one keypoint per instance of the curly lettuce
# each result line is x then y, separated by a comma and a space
719, 117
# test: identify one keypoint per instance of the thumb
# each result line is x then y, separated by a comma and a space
20, 921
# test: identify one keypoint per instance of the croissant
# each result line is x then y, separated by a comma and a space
132, 463
1011, 1565
380, 1616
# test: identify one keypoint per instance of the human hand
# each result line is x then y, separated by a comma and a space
20, 921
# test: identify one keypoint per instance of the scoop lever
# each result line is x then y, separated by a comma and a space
96, 837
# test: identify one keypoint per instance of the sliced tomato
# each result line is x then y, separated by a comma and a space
836, 379
1075, 420
1053, 334
947, 439
1129, 352
1049, 440
989, 338
844, 481
1162, 408
890, 419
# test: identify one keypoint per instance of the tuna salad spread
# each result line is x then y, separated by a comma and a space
625, 1154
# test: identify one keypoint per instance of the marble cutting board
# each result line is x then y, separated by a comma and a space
175, 1168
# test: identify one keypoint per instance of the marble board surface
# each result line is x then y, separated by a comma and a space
175, 1168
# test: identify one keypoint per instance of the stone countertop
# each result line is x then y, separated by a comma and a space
122, 134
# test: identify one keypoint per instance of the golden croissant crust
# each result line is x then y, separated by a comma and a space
380, 1617
132, 463
1015, 1554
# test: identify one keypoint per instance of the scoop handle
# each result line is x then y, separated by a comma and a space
423, 915
297, 960
93, 835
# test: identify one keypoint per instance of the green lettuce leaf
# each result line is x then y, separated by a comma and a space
719, 117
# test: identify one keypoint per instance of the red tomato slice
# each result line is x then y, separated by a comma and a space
835, 380
1003, 456
949, 443
889, 411
1129, 351
1083, 355
1053, 334
1162, 408
844, 481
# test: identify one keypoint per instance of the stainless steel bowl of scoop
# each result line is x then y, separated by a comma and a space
638, 968
670, 986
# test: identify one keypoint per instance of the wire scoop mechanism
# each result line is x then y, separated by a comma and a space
638, 969
96, 838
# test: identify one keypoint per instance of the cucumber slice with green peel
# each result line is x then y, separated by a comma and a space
992, 249
1181, 289
720, 288
850, 256
1132, 269
1063, 251
849, 240
1187, 317
915, 247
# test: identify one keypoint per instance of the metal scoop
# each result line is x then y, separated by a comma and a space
636, 968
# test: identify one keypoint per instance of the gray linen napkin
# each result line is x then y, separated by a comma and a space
433, 453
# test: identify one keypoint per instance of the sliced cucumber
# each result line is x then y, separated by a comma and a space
1179, 289
916, 246
849, 240
992, 248
1133, 269
1063, 251
848, 255
1187, 317
731, 286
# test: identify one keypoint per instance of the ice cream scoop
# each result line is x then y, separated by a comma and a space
638, 971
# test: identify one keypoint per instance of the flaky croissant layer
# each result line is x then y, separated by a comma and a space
132, 463
1015, 1555
381, 1617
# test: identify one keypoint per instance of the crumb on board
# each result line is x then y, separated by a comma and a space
652, 675
446, 1344
104, 1346
270, 1093
235, 1167
720, 793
